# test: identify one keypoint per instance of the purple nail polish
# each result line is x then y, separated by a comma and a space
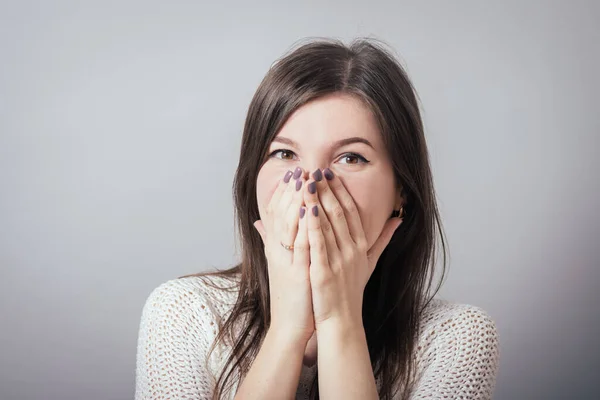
328, 174
312, 187
287, 176
318, 175
298, 185
297, 172
302, 212
316, 211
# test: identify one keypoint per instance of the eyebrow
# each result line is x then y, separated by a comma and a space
339, 143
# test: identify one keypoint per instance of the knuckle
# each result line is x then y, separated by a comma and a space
285, 226
314, 228
337, 266
338, 212
281, 209
320, 246
300, 239
290, 186
347, 256
350, 253
321, 280
350, 206
335, 184
361, 245
300, 246
271, 208
290, 217
313, 240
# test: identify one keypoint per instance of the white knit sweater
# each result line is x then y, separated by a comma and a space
457, 356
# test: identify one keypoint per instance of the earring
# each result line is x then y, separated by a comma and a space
398, 213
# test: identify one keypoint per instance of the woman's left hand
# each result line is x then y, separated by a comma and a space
341, 262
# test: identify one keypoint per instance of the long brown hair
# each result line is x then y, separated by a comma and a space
400, 286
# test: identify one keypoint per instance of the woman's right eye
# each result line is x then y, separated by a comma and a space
285, 154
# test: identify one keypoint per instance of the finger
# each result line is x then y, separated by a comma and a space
261, 230
316, 241
301, 248
311, 198
350, 210
279, 209
276, 232
383, 240
273, 205
263, 234
296, 200
285, 227
334, 210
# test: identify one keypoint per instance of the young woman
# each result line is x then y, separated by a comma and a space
338, 220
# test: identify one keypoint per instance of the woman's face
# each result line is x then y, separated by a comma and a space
316, 136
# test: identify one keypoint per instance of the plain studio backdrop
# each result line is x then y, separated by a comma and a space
120, 127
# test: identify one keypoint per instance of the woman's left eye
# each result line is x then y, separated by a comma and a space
283, 154
353, 158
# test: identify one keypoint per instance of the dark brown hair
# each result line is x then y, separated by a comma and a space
400, 287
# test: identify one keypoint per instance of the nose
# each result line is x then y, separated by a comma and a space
308, 171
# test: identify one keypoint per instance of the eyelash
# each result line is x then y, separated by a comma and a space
349, 154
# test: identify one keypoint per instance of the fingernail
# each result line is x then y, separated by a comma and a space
328, 174
315, 211
312, 187
302, 212
298, 184
318, 175
297, 172
287, 176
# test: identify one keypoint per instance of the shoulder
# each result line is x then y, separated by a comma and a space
453, 316
179, 324
457, 328
458, 349
193, 295
194, 306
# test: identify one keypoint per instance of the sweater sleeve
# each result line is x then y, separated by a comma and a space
174, 338
458, 355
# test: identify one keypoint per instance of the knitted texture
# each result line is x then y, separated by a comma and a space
457, 353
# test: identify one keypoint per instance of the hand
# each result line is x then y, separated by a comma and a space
289, 279
340, 262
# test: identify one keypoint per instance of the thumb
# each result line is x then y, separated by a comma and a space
258, 225
383, 240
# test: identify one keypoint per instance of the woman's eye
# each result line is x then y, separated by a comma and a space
348, 158
285, 154
353, 158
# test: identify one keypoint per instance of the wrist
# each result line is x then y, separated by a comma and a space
289, 341
340, 329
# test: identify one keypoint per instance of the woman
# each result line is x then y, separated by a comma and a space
332, 298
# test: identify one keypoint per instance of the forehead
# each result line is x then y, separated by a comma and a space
330, 118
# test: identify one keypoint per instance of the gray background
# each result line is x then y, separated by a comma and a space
120, 125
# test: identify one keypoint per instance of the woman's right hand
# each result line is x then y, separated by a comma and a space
289, 277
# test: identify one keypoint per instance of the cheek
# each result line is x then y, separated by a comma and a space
374, 211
